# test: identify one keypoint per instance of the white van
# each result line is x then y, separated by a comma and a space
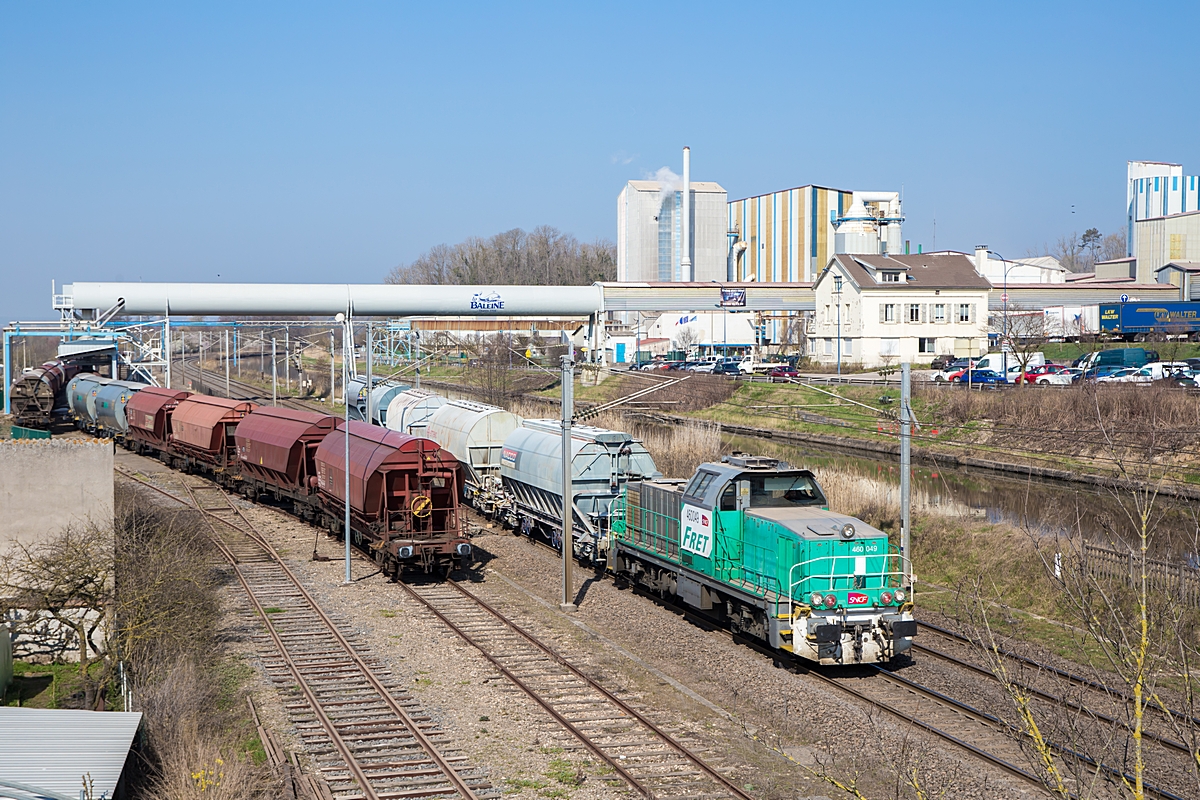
995, 361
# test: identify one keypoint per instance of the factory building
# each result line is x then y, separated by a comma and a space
789, 236
785, 236
672, 232
1156, 189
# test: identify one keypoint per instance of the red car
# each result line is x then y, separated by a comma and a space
784, 374
1030, 375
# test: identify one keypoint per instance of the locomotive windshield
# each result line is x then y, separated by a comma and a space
774, 491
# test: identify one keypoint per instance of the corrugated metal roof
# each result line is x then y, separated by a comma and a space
53, 749
696, 296
1084, 293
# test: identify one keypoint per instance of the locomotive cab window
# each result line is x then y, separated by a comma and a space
774, 491
700, 484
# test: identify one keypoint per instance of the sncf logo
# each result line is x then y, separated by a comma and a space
856, 599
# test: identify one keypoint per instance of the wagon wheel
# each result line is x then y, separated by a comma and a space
421, 506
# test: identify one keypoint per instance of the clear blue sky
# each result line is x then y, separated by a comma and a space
329, 142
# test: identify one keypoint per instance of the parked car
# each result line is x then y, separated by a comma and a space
1122, 375
1094, 374
783, 374
727, 368
704, 367
1159, 371
981, 376
940, 363
953, 369
1032, 374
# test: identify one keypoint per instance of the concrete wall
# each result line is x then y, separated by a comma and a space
49, 484
1161, 241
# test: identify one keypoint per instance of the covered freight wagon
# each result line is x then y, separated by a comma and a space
148, 414
602, 462
475, 434
202, 429
277, 448
403, 496
37, 393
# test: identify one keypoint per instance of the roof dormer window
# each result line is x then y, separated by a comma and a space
889, 277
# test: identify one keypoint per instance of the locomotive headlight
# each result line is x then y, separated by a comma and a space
899, 595
830, 600
816, 598
885, 598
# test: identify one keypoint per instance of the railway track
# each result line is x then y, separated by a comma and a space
651, 761
971, 729
368, 736
240, 390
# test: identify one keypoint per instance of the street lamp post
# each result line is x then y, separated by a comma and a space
1004, 329
837, 290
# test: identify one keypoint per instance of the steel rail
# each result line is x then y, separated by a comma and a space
937, 696
934, 695
326, 723
1179, 716
667, 739
1050, 698
414, 729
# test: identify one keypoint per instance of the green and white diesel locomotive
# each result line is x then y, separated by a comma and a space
751, 542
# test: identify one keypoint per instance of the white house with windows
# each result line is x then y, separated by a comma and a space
881, 310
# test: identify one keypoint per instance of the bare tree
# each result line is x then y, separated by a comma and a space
58, 590
1022, 332
1135, 630
544, 255
686, 337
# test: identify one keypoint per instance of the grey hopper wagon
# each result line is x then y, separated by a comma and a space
602, 462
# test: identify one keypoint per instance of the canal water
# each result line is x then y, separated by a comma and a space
1043, 506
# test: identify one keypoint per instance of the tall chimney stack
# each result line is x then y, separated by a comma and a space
685, 268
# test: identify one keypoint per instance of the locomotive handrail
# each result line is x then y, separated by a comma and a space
884, 576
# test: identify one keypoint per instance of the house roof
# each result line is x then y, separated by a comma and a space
1182, 266
1072, 277
1125, 260
924, 270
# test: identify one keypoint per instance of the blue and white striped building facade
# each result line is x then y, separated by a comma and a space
1157, 189
788, 234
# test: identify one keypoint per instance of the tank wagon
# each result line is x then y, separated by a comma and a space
751, 542
202, 432
602, 462
148, 414
110, 403
475, 434
81, 398
403, 497
381, 395
39, 392
409, 411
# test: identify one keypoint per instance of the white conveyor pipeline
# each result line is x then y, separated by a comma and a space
90, 300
